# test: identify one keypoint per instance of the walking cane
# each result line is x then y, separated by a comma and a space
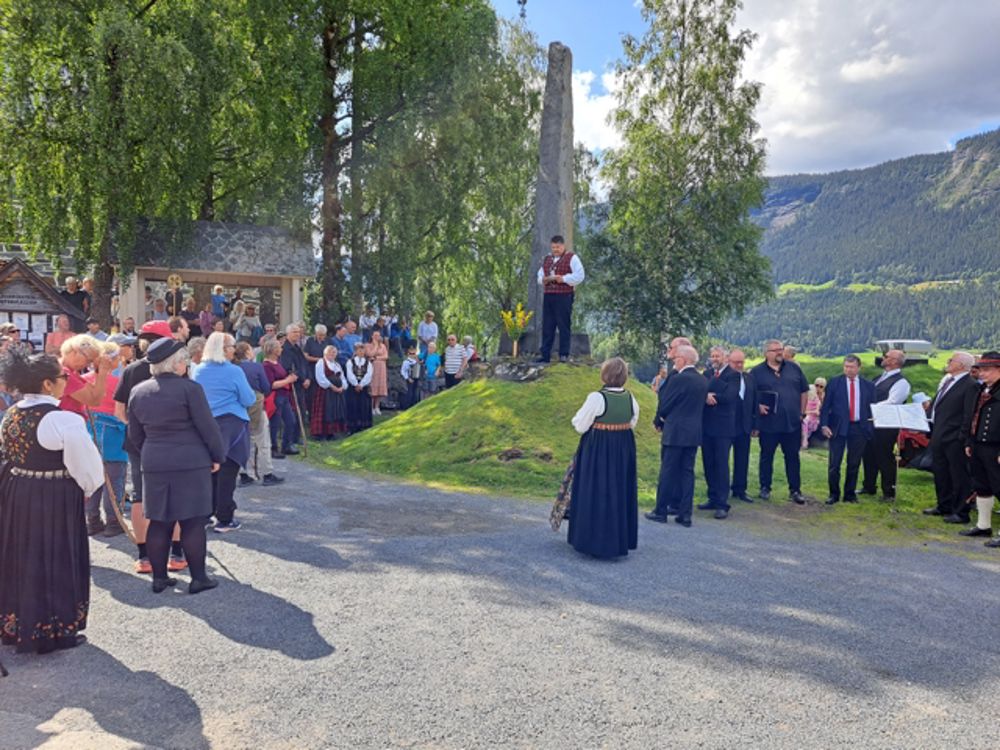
302, 426
119, 513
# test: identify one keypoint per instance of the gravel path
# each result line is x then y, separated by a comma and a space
369, 614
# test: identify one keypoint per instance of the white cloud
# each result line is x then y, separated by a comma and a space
857, 82
591, 109
850, 83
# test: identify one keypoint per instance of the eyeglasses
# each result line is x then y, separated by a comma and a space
774, 351
61, 376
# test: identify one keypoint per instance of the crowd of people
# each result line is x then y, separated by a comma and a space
721, 409
164, 422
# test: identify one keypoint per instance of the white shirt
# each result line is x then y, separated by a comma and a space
593, 407
67, 432
900, 390
321, 377
366, 379
407, 367
455, 359
743, 386
427, 331
367, 321
575, 275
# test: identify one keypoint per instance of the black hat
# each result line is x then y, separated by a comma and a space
161, 349
989, 359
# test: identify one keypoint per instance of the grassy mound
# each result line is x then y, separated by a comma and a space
515, 439
469, 437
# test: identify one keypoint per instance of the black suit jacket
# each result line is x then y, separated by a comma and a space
949, 411
720, 420
172, 427
680, 409
836, 410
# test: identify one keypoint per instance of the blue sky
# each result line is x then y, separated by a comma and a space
847, 83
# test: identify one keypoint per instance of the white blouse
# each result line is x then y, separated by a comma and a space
366, 379
321, 378
593, 407
67, 432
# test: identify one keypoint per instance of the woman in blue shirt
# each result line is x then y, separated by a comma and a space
229, 395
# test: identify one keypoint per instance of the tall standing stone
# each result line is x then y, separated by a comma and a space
554, 193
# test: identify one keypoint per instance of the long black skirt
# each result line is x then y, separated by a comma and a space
44, 563
359, 409
328, 416
604, 514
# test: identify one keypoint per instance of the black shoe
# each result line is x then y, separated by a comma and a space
95, 526
291, 451
866, 491
956, 518
706, 506
563, 359
196, 586
797, 498
113, 529
685, 522
540, 361
851, 499
656, 517
271, 479
743, 496
764, 494
671, 511
994, 543
976, 531
245, 479
888, 498
832, 500
277, 454
935, 511
720, 514
162, 584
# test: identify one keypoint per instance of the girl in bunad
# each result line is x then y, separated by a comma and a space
359, 402
329, 413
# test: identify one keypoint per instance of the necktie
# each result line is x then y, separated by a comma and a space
718, 373
940, 394
854, 401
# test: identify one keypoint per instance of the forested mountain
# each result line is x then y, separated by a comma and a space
906, 248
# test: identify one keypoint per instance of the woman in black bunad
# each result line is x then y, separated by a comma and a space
329, 413
171, 425
50, 465
359, 402
604, 516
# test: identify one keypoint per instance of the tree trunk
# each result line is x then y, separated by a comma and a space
356, 207
207, 211
331, 211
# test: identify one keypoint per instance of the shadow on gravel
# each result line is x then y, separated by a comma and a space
237, 611
124, 703
856, 619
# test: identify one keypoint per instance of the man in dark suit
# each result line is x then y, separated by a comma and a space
679, 420
981, 430
746, 416
952, 480
719, 429
880, 453
846, 421
782, 391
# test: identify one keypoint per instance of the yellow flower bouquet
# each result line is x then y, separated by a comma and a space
515, 322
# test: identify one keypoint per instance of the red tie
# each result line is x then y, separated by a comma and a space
718, 373
854, 401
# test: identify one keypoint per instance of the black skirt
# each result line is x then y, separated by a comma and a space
44, 563
359, 409
604, 514
177, 495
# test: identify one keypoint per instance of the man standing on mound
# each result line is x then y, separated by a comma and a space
559, 276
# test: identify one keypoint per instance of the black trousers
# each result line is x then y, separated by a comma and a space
985, 469
880, 459
557, 311
715, 462
790, 443
741, 463
675, 490
952, 478
854, 442
223, 488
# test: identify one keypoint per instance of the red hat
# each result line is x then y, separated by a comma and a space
155, 329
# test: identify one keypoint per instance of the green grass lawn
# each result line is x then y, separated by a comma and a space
455, 441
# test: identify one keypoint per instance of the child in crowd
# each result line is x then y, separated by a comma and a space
432, 363
411, 375
206, 318
219, 306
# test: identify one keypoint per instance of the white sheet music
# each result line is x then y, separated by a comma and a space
900, 416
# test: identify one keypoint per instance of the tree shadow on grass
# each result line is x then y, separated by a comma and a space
237, 611
124, 703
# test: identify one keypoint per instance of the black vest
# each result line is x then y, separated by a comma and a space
882, 389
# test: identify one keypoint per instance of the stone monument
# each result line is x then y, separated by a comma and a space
554, 192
